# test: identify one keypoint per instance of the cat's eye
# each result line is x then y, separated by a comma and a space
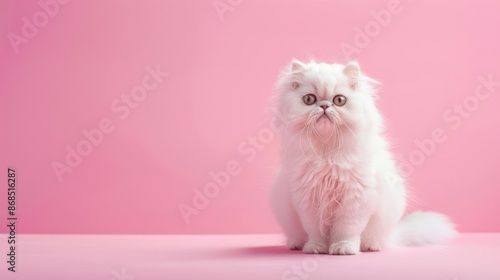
339, 100
309, 99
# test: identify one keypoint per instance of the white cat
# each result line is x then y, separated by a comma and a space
338, 190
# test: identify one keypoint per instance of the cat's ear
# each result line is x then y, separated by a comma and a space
297, 66
351, 70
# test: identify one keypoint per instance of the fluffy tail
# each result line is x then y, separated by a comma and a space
423, 228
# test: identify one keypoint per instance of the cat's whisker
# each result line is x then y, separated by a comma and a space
290, 142
340, 140
289, 123
308, 131
350, 130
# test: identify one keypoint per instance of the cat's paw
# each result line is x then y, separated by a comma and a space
343, 248
370, 247
315, 247
294, 244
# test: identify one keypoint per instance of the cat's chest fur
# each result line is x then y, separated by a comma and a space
327, 188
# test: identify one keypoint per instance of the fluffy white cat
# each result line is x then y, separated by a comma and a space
338, 190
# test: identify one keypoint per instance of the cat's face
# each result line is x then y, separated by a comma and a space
324, 100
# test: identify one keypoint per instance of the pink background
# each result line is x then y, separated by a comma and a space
221, 73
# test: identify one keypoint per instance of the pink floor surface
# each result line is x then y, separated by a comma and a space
140, 257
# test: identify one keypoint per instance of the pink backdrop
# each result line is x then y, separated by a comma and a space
88, 65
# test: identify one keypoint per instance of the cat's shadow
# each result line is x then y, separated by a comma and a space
229, 253
253, 253
261, 251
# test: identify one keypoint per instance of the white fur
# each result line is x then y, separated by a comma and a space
338, 190
422, 228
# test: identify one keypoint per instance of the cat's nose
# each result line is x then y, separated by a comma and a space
324, 107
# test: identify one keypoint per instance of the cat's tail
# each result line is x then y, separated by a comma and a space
423, 228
